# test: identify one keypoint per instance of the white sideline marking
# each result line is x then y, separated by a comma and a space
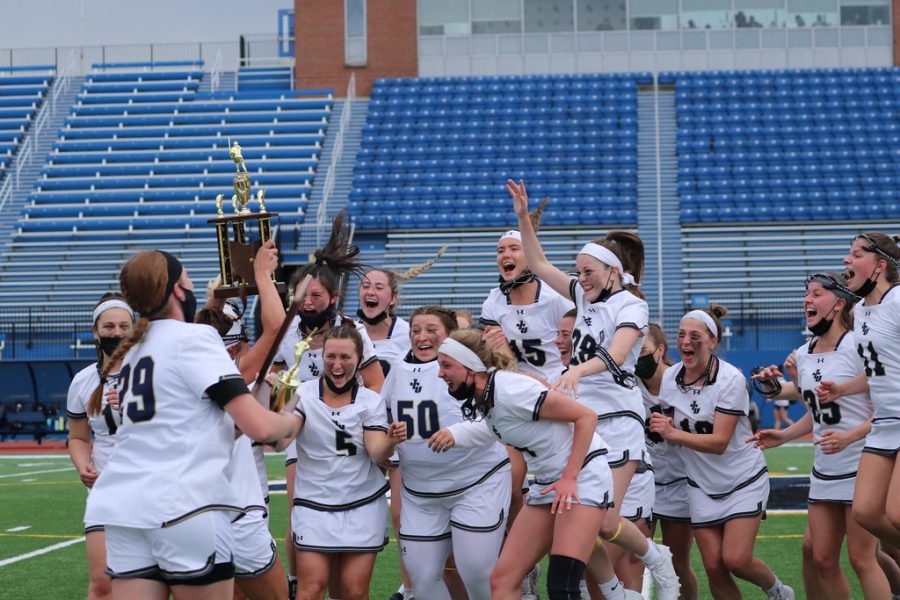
38, 464
34, 553
20, 528
57, 456
29, 480
35, 473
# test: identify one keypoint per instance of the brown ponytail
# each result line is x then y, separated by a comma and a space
629, 249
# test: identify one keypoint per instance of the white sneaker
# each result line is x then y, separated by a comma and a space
784, 592
530, 584
664, 576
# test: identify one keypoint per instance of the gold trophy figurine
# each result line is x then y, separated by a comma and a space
287, 382
236, 252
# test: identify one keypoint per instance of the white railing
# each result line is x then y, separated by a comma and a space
216, 71
26, 152
336, 152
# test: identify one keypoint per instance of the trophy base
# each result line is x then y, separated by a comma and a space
235, 291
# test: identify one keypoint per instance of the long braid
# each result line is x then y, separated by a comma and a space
414, 272
96, 401
537, 213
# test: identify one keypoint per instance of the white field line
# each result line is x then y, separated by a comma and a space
39, 552
34, 456
20, 528
35, 473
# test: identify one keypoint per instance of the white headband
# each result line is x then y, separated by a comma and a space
462, 354
512, 234
112, 303
703, 316
606, 256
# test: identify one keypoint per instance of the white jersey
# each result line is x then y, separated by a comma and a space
245, 476
668, 464
716, 475
105, 423
334, 471
395, 346
416, 396
611, 393
848, 412
876, 331
530, 328
173, 450
515, 404
312, 363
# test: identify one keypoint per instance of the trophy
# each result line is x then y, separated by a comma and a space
236, 255
287, 382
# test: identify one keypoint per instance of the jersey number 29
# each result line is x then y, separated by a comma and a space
142, 404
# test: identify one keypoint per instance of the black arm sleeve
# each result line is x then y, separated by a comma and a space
227, 389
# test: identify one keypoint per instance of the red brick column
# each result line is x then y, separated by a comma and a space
319, 34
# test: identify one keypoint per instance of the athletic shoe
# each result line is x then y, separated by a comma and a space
664, 576
530, 584
402, 594
292, 589
582, 587
784, 592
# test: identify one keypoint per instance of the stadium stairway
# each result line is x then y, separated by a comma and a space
43, 144
658, 182
296, 245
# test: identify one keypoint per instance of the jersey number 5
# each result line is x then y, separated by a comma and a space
141, 406
343, 443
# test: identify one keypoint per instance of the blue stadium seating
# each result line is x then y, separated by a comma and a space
22, 91
455, 141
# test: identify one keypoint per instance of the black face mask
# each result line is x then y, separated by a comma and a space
645, 366
108, 345
350, 385
310, 322
824, 324
606, 292
371, 320
464, 391
188, 305
525, 277
866, 288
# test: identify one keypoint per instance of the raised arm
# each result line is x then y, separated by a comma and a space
534, 254
271, 311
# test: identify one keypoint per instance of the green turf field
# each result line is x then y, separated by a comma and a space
44, 496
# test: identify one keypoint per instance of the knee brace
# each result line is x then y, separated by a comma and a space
563, 577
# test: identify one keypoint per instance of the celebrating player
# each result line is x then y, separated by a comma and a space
728, 482
451, 496
113, 321
164, 497
339, 515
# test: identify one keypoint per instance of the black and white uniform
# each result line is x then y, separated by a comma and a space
546, 445
612, 394
103, 425
165, 498
530, 328
724, 486
254, 548
833, 475
458, 497
670, 481
339, 492
641, 493
876, 331
312, 364
395, 346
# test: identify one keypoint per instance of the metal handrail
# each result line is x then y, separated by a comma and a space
336, 152
216, 72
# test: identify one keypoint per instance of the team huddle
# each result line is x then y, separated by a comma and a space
555, 426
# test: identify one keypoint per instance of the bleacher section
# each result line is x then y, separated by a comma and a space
139, 164
763, 146
436, 152
22, 90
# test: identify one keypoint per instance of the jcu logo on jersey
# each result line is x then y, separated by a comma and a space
416, 386
817, 375
522, 326
695, 407
865, 328
314, 370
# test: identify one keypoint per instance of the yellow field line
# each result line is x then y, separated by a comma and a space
49, 536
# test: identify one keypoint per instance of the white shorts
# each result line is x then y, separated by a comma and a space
782, 403
884, 439
624, 436
825, 488
290, 455
595, 484
671, 503
481, 508
639, 498
748, 501
196, 551
254, 548
360, 529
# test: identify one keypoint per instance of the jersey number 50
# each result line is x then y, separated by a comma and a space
142, 404
425, 422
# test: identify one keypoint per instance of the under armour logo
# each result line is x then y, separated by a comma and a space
522, 326
497, 433
868, 313
340, 426
415, 385
695, 407
817, 375
403, 550
520, 311
865, 328
314, 369
820, 361
587, 321
696, 393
